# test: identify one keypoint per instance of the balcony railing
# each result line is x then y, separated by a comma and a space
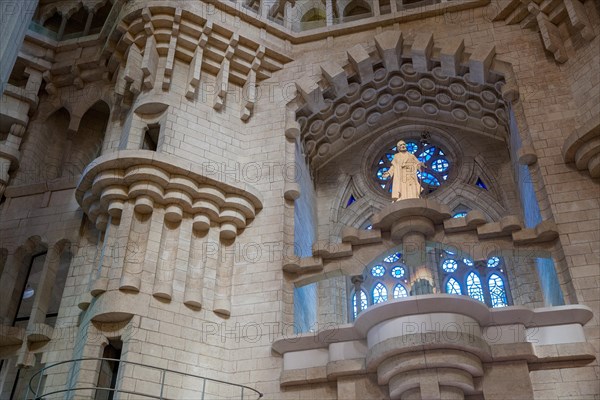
142, 381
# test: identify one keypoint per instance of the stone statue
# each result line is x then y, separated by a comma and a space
405, 183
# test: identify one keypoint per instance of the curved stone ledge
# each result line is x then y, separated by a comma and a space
582, 147
11, 335
446, 336
151, 178
437, 303
430, 209
118, 306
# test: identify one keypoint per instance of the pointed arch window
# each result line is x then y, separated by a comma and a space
380, 294
400, 291
497, 291
453, 287
474, 288
363, 302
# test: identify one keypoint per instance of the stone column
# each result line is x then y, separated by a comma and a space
357, 280
88, 22
169, 243
194, 281
222, 303
329, 12
135, 252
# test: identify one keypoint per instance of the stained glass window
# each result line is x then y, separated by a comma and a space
453, 287
369, 227
392, 258
449, 265
379, 293
468, 262
461, 214
350, 200
378, 270
474, 288
400, 291
480, 184
497, 291
493, 262
363, 302
437, 165
397, 272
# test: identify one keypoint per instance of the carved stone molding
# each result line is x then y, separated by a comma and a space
150, 179
546, 17
441, 83
582, 147
431, 219
405, 340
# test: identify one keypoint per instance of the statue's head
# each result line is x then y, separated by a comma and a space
401, 145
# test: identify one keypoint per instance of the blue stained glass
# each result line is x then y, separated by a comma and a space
350, 200
468, 262
453, 287
445, 177
379, 294
381, 162
442, 153
461, 214
497, 291
493, 262
382, 185
380, 172
378, 271
363, 302
389, 156
369, 227
474, 288
392, 258
449, 252
400, 291
480, 184
397, 272
411, 147
440, 165
449, 265
427, 154
428, 178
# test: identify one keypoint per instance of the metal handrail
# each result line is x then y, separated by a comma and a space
160, 396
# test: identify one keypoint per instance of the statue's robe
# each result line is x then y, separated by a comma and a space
405, 183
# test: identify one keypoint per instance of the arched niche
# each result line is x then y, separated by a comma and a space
85, 145
357, 8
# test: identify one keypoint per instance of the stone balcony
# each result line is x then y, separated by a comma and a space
440, 345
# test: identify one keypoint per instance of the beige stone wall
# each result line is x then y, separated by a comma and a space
554, 100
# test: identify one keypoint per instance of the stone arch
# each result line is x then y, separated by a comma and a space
357, 7
375, 88
14, 275
76, 20
86, 144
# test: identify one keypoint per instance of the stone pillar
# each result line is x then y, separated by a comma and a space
415, 256
61, 30
329, 12
376, 8
222, 303
135, 252
500, 376
169, 243
288, 16
194, 280
88, 22
357, 280
393, 6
